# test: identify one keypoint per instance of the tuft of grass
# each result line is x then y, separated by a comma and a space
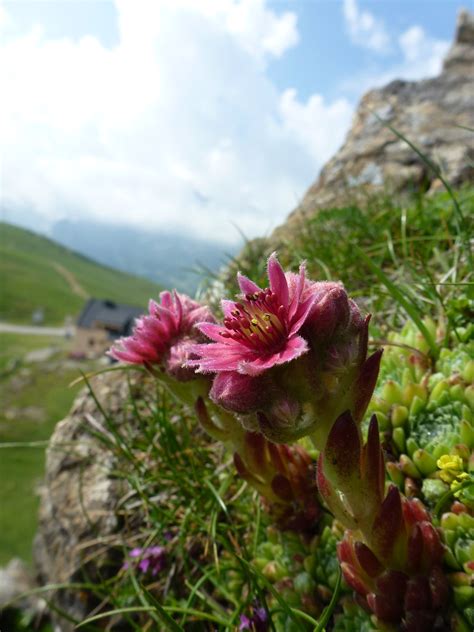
420, 248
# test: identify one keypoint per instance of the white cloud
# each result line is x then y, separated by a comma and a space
177, 126
365, 29
315, 123
421, 56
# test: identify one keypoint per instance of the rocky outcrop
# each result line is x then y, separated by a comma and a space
78, 519
432, 114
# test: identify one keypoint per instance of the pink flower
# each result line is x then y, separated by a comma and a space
291, 358
165, 335
261, 330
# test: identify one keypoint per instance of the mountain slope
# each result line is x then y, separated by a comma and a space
36, 272
165, 257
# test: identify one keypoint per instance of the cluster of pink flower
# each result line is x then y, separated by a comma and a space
286, 360
290, 361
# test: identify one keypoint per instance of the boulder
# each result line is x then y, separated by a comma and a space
78, 517
433, 114
16, 581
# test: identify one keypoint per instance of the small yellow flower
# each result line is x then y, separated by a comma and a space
456, 484
451, 466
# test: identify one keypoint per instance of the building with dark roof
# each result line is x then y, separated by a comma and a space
101, 322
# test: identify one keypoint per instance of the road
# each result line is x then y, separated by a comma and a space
9, 328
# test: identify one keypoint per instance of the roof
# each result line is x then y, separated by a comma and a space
117, 317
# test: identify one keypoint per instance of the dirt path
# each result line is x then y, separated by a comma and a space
10, 328
75, 286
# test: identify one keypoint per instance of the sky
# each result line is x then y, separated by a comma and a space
209, 117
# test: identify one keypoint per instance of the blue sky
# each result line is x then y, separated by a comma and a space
192, 114
326, 55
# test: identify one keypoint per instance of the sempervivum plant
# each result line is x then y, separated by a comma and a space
280, 559
283, 364
284, 476
426, 412
353, 618
391, 554
288, 359
458, 535
322, 563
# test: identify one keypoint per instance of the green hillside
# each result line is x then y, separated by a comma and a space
36, 272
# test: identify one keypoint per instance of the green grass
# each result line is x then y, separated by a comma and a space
22, 468
13, 347
219, 537
29, 279
414, 242
221, 540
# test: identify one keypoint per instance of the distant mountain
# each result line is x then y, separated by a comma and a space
164, 257
38, 274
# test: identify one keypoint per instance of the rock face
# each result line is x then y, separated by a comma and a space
427, 112
78, 512
15, 581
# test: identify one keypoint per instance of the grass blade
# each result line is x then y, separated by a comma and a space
408, 305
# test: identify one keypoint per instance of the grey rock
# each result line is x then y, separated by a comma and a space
430, 113
40, 355
78, 519
16, 580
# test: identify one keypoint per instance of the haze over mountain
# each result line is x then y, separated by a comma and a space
165, 257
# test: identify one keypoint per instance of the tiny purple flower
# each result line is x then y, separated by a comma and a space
150, 559
258, 622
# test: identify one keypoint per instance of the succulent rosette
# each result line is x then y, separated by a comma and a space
426, 412
281, 559
322, 563
458, 535
288, 359
353, 618
284, 476
411, 592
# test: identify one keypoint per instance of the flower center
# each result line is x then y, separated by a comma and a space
258, 322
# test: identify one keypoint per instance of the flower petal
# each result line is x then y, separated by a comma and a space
217, 356
227, 307
214, 332
246, 285
295, 347
301, 315
296, 284
278, 282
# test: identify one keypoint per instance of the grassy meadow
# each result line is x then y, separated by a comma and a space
39, 273
34, 397
35, 272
